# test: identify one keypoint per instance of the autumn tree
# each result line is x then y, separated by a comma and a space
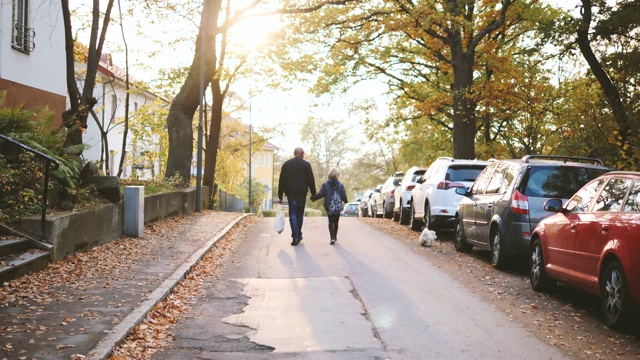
148, 147
82, 100
328, 141
427, 52
615, 31
211, 64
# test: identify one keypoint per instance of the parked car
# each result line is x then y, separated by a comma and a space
592, 244
402, 203
506, 201
363, 206
376, 203
433, 200
351, 209
388, 190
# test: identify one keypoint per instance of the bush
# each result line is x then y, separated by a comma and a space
22, 173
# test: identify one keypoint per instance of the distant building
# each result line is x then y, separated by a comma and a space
262, 171
32, 54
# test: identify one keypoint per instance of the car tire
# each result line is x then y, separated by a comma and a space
414, 223
396, 214
498, 254
616, 300
459, 240
427, 217
386, 214
537, 275
404, 215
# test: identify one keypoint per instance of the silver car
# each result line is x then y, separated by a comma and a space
506, 201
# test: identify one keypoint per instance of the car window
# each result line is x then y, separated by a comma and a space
464, 173
436, 174
495, 183
416, 175
558, 181
582, 199
633, 199
612, 195
483, 179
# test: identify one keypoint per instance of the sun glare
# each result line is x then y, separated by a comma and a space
254, 32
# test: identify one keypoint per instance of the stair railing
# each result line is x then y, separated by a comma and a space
50, 164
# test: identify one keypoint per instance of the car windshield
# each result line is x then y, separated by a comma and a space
352, 207
416, 175
467, 173
558, 181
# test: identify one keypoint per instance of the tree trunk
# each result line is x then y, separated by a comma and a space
213, 141
626, 132
464, 107
75, 119
186, 102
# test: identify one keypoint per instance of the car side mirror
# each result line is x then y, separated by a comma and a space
461, 191
553, 205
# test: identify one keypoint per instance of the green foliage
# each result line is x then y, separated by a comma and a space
22, 173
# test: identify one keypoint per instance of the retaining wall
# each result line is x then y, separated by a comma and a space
82, 230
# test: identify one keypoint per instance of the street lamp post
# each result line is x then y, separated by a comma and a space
250, 168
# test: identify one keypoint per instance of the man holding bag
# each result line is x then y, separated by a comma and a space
296, 178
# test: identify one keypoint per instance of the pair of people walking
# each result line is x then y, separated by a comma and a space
296, 180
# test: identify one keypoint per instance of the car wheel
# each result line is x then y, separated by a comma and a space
404, 215
386, 214
459, 241
537, 275
375, 211
498, 255
414, 223
396, 214
614, 294
427, 217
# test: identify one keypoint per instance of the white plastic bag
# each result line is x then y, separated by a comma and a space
279, 225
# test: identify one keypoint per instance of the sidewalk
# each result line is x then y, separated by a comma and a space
85, 303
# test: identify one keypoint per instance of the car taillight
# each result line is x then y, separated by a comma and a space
393, 192
446, 185
410, 187
520, 203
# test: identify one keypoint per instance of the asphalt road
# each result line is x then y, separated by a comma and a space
366, 297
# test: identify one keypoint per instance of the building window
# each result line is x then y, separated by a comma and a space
22, 36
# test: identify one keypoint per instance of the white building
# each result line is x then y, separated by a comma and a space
32, 54
110, 90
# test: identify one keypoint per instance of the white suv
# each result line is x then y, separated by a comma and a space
402, 203
434, 200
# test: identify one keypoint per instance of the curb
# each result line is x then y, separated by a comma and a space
104, 349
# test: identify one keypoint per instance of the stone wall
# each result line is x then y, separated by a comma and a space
82, 230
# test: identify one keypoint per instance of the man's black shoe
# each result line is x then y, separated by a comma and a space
295, 242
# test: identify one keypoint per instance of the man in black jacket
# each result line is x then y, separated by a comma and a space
296, 177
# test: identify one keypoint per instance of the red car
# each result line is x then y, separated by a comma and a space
593, 243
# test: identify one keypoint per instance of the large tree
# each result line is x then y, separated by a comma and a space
427, 52
617, 30
211, 46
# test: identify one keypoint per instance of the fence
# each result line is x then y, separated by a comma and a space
228, 202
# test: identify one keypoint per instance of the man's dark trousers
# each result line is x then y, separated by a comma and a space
296, 215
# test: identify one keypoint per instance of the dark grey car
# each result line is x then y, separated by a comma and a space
505, 203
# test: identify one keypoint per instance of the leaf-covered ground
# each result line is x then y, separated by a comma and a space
62, 311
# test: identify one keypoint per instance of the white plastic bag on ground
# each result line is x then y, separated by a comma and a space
279, 225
